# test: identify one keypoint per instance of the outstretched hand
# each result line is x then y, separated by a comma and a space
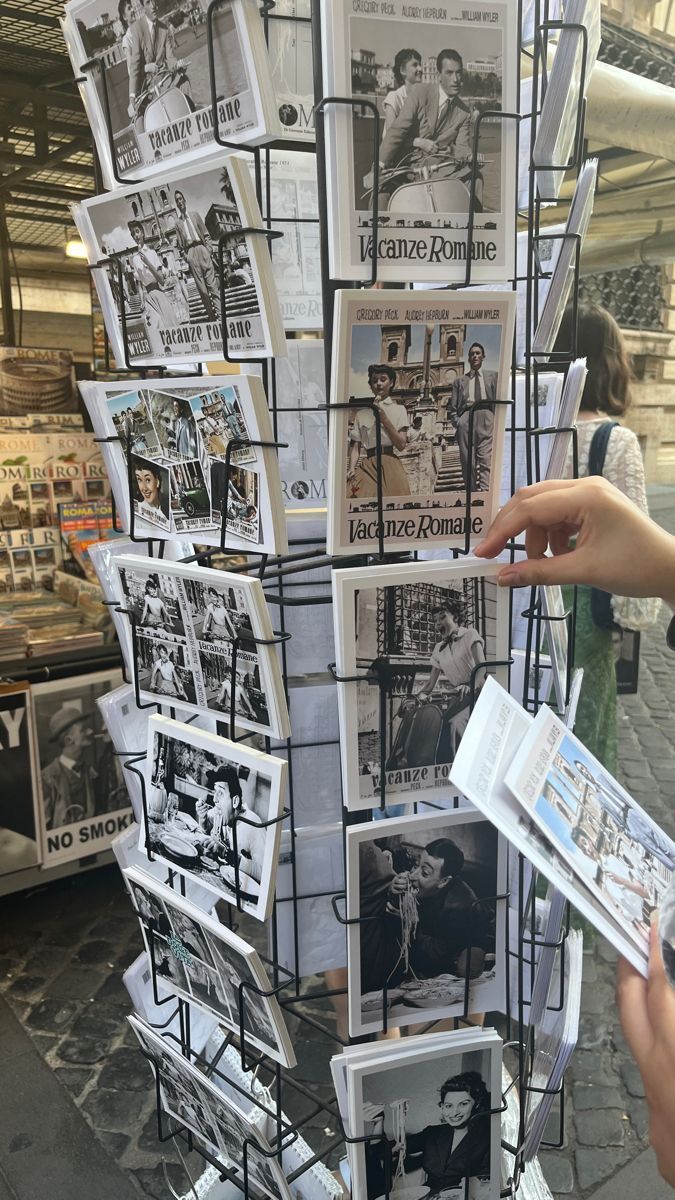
647, 1011
617, 547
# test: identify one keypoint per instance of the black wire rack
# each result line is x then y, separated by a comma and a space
285, 587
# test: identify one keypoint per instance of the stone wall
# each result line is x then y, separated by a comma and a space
652, 412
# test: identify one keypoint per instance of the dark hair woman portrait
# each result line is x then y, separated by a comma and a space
407, 71
455, 1149
150, 494
606, 398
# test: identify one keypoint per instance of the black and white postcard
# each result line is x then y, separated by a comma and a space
214, 810
83, 796
151, 64
198, 958
433, 370
424, 888
434, 1107
200, 637
194, 1101
606, 838
161, 278
421, 635
429, 73
18, 789
495, 733
178, 432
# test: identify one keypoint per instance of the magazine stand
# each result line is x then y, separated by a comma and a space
286, 984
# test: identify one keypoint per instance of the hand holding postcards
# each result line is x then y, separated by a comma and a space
558, 805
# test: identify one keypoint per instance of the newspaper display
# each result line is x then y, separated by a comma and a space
161, 284
291, 206
150, 71
199, 640
433, 371
419, 634
429, 74
292, 65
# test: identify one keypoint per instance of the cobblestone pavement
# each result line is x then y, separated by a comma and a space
63, 949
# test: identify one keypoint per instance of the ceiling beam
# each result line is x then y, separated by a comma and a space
9, 13
14, 87
54, 191
42, 58
28, 162
35, 202
58, 158
38, 218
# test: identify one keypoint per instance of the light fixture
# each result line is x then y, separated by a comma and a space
75, 247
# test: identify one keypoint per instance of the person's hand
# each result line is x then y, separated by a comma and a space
131, 110
647, 1011
617, 547
373, 1114
399, 883
427, 145
151, 68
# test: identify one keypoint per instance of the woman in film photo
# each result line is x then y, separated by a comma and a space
152, 503
365, 465
456, 1149
154, 615
407, 71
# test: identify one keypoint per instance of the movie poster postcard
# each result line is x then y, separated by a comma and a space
152, 64
178, 432
214, 812
433, 369
188, 620
429, 73
195, 1102
424, 888
83, 798
161, 274
421, 636
419, 1098
205, 962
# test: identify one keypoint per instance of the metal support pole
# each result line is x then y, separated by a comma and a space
8, 327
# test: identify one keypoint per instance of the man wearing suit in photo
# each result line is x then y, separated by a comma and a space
434, 122
195, 244
476, 385
151, 50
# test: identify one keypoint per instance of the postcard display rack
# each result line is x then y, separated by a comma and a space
514, 907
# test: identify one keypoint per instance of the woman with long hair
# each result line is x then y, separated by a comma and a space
606, 397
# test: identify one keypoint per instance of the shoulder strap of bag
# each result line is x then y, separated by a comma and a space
598, 447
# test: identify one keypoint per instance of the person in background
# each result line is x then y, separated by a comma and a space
605, 398
618, 548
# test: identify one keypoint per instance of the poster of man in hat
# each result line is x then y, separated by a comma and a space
83, 797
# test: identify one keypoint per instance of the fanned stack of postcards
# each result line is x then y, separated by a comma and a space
559, 806
166, 450
553, 405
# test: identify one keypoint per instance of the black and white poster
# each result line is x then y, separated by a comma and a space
214, 812
150, 62
434, 1105
199, 641
161, 282
18, 800
198, 958
84, 801
431, 375
197, 1103
421, 636
429, 74
424, 888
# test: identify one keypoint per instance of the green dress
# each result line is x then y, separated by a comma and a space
596, 719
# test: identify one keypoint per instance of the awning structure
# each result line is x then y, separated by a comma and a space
630, 126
